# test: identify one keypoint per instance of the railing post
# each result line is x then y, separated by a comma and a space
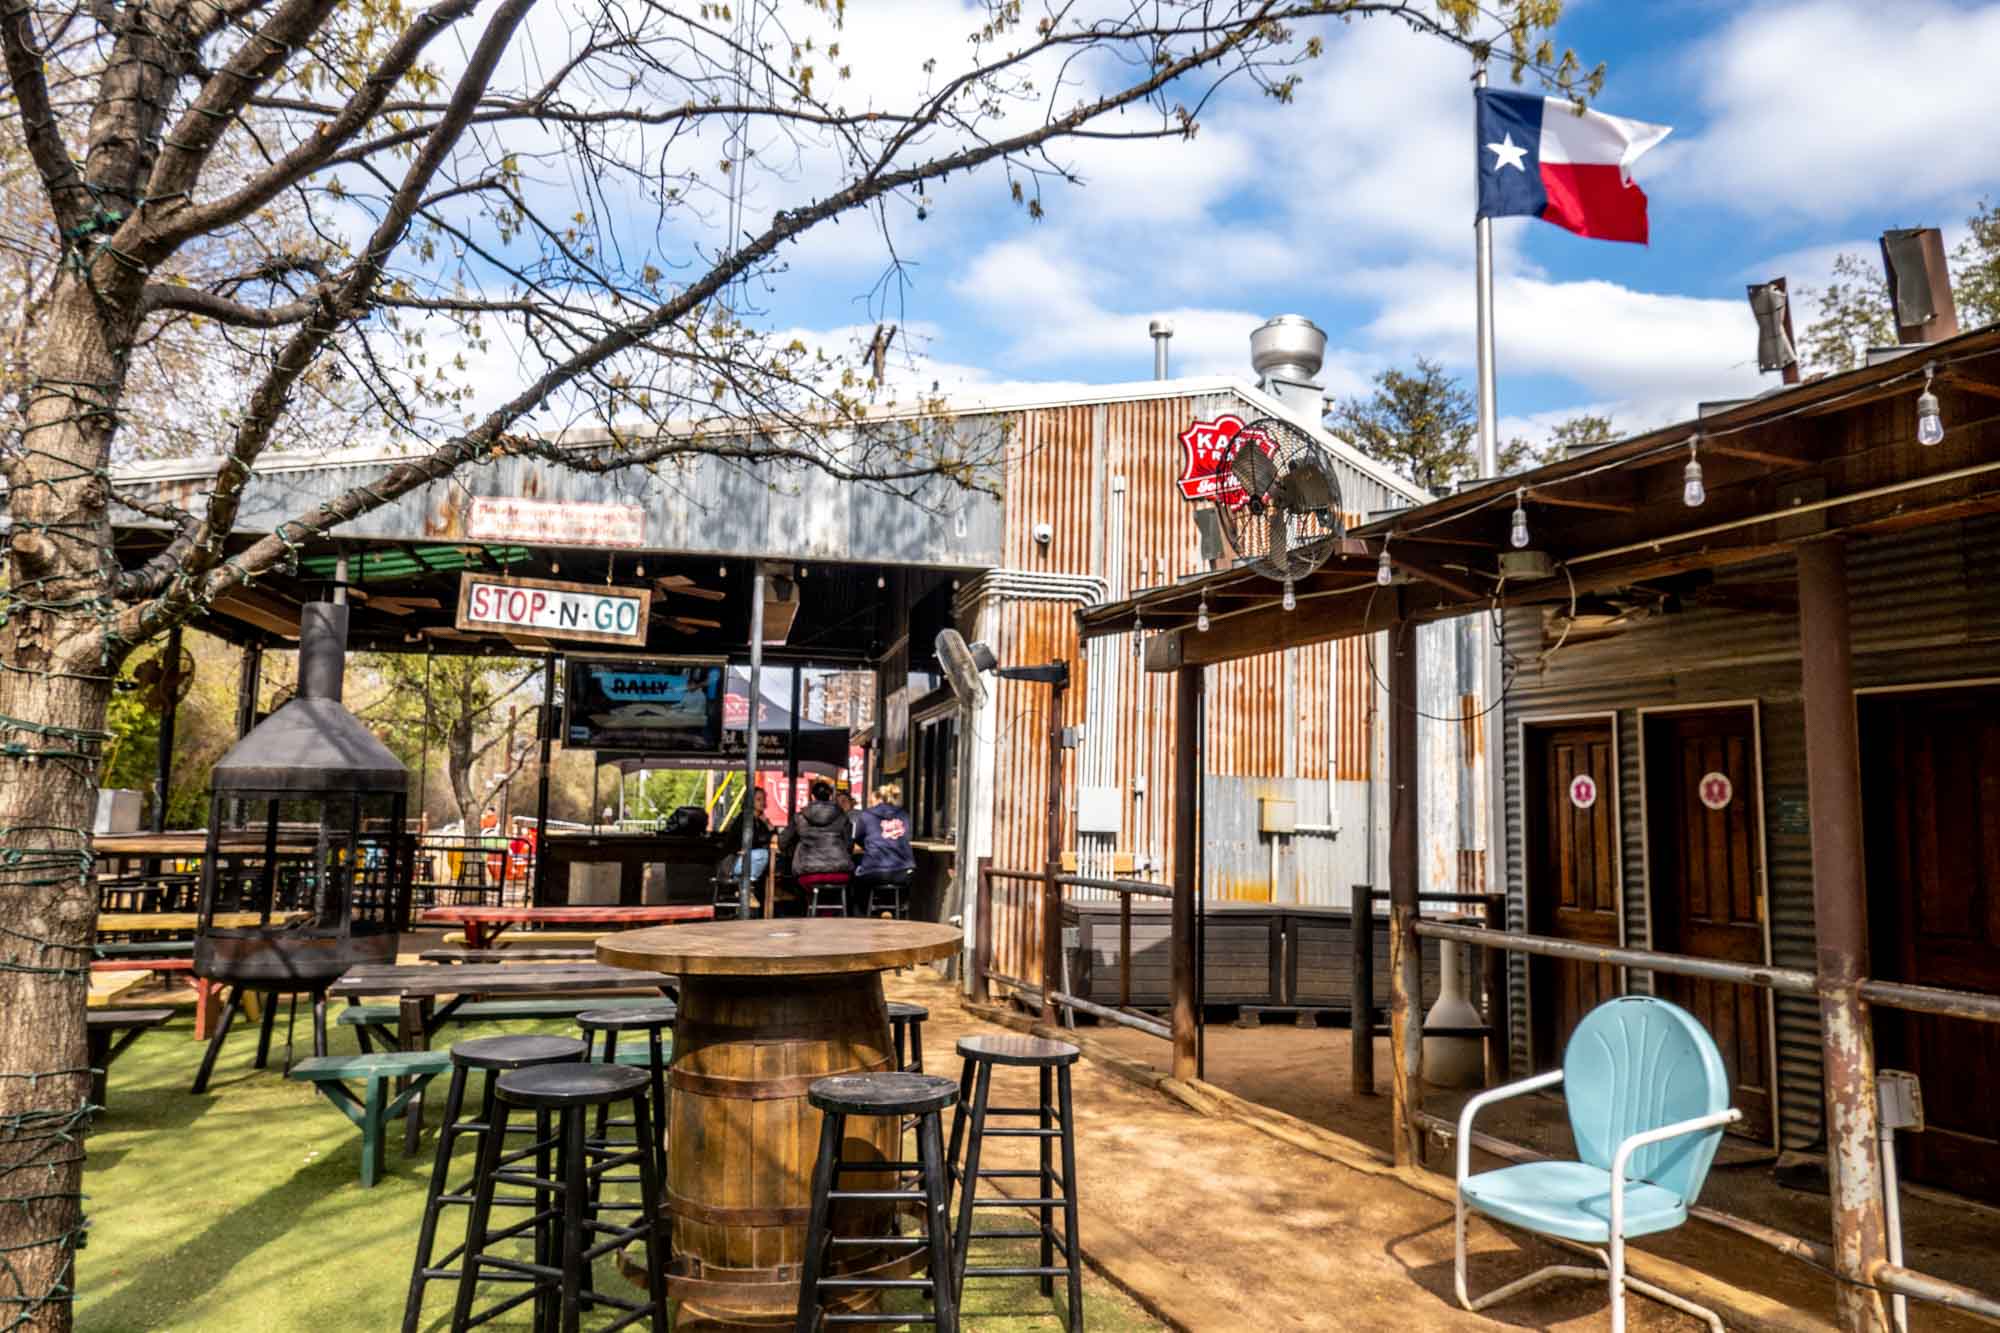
1840, 929
1052, 865
1361, 991
1498, 1045
1406, 988
982, 938
1124, 951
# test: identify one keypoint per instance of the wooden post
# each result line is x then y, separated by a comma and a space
1361, 991
1052, 858
1124, 951
163, 766
1497, 1044
982, 939
1405, 961
1187, 865
542, 779
1840, 929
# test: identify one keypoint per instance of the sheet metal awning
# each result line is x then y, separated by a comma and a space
1834, 455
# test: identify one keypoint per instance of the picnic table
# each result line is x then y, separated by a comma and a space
175, 923
483, 925
417, 988
766, 1008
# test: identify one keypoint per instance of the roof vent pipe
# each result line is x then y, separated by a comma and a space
1162, 330
1286, 352
322, 650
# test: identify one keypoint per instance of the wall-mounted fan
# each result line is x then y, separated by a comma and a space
1282, 515
160, 680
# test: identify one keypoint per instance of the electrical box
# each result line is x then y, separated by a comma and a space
117, 811
1098, 809
1901, 1099
1277, 814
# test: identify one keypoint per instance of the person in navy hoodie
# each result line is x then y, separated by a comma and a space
882, 832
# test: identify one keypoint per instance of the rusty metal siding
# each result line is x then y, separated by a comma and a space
1921, 615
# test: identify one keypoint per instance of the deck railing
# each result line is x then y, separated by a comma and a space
1019, 931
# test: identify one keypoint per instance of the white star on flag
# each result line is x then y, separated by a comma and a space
1507, 154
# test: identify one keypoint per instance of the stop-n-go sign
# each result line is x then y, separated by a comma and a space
1583, 791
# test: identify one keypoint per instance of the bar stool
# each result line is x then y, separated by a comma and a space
654, 1020
568, 1093
1051, 1060
891, 1093
493, 1056
890, 893
826, 895
906, 1021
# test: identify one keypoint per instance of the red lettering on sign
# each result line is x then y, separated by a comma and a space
1206, 447
535, 605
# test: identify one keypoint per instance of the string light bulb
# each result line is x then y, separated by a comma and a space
1290, 600
1201, 615
1693, 493
1518, 534
1930, 421
555, 566
639, 571
1385, 573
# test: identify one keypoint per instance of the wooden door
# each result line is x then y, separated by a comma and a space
1704, 839
1931, 817
1572, 873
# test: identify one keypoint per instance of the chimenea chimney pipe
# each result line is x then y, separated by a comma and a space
1162, 331
322, 650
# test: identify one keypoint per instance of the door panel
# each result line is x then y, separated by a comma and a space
1705, 844
1572, 875
1931, 812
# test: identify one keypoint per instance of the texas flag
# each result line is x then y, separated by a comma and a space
1540, 158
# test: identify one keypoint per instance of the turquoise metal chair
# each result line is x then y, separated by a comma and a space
1648, 1097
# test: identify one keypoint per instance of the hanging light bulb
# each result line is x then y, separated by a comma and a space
881, 581
1693, 493
555, 566
1290, 601
1930, 421
1518, 534
1201, 615
639, 571
1385, 573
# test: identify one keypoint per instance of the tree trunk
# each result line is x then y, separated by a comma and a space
54, 689
458, 765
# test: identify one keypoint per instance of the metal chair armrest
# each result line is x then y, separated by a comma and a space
1713, 1120
1484, 1099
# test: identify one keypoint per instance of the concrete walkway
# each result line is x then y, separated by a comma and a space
1213, 1225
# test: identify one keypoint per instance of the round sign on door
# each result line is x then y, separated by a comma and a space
1716, 790
1583, 791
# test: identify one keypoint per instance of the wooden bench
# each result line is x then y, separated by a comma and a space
531, 955
165, 958
374, 1107
380, 1020
109, 1032
530, 939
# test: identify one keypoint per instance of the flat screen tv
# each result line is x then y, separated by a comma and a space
658, 707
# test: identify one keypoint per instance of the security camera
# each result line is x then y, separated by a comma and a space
1044, 534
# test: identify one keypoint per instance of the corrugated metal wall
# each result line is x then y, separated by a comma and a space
1921, 615
1296, 725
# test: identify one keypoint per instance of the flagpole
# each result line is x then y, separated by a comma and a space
1492, 682
1482, 230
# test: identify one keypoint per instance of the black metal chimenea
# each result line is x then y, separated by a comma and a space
307, 871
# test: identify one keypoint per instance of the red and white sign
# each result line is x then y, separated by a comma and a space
1716, 790
506, 518
1205, 450
543, 609
1583, 791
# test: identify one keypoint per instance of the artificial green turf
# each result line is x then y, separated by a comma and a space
242, 1209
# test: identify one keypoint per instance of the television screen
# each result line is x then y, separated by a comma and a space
662, 707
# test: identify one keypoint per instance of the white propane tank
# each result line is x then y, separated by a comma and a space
1453, 1062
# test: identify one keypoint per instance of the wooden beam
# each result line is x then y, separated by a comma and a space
1405, 960
1959, 380
1187, 867
1561, 501
259, 609
1449, 582
1754, 455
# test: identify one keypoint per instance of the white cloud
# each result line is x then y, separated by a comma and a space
1828, 107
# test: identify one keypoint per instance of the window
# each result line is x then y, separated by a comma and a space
934, 779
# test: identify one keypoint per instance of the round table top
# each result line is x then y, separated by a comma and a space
782, 947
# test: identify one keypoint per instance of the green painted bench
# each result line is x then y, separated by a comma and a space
374, 1108
381, 1020
109, 1032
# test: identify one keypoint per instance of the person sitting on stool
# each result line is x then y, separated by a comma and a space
883, 832
819, 843
760, 847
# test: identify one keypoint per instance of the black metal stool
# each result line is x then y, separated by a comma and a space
898, 1094
906, 1021
826, 895
493, 1055
653, 1020
890, 893
567, 1093
1051, 1060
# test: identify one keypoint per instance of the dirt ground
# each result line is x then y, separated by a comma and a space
1304, 1072
1217, 1227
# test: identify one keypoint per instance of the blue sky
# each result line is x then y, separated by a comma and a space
1801, 129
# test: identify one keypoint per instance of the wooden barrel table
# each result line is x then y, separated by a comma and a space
766, 1008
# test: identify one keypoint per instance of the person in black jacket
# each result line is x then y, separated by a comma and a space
819, 843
